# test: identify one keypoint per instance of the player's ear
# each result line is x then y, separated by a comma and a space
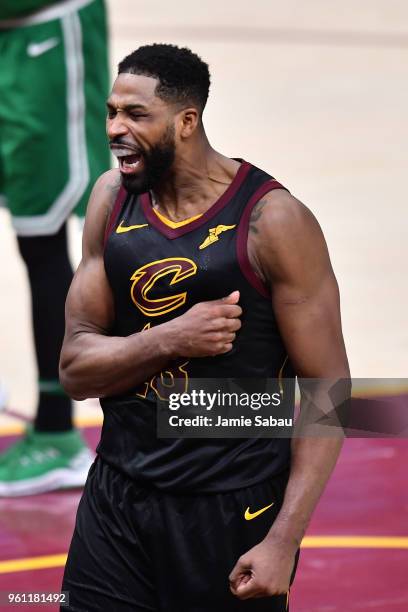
189, 120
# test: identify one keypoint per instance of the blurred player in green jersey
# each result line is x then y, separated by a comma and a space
53, 86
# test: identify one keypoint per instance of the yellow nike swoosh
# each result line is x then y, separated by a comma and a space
251, 515
122, 229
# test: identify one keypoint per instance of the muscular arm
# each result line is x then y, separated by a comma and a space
288, 251
96, 364
93, 363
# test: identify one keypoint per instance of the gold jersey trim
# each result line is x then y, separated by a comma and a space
175, 224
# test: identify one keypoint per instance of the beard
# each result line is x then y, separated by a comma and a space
156, 165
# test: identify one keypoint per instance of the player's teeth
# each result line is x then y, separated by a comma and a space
131, 165
121, 152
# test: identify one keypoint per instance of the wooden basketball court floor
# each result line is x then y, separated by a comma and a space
316, 93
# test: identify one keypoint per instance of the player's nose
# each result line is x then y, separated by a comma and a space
116, 126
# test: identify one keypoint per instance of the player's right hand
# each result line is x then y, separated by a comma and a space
208, 328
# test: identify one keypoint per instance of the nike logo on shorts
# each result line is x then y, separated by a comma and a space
251, 515
35, 49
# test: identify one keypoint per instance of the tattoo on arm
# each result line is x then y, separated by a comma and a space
256, 215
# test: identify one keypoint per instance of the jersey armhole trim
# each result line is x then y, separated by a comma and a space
120, 198
242, 237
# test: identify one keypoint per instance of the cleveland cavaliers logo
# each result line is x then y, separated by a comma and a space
176, 269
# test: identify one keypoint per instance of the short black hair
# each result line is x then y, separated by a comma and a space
183, 76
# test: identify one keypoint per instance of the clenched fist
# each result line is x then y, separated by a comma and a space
208, 328
263, 571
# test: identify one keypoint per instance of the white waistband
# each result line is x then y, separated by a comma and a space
55, 11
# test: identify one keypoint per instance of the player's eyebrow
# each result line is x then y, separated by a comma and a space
126, 107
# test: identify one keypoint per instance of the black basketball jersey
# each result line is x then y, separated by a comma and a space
157, 272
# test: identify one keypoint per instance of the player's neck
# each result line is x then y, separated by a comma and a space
198, 179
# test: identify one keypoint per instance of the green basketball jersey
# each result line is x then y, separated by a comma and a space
10, 9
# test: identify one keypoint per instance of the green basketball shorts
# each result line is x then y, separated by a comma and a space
53, 86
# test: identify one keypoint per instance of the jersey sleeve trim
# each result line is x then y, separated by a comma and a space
242, 237
120, 198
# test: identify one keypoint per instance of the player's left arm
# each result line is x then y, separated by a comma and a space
288, 251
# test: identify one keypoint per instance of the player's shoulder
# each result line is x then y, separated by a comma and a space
278, 212
285, 236
112, 175
106, 188
103, 195
100, 205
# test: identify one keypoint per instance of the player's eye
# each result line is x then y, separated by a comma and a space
137, 116
111, 113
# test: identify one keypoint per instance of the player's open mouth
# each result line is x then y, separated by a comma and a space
129, 161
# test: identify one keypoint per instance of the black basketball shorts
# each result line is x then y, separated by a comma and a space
139, 549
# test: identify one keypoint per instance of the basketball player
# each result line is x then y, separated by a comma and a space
195, 265
53, 80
